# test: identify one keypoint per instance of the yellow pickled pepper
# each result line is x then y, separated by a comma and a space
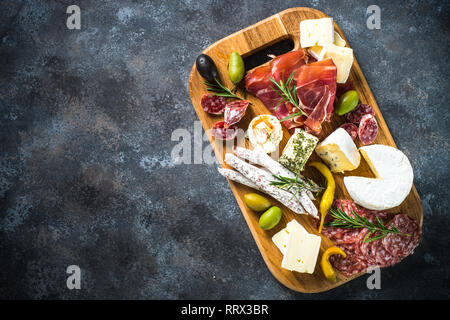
327, 269
328, 195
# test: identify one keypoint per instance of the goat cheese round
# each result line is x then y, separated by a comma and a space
265, 133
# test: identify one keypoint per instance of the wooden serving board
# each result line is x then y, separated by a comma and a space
283, 25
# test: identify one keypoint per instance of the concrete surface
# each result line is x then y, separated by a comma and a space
86, 174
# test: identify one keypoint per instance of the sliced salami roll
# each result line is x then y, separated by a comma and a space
213, 104
234, 111
219, 131
262, 179
356, 114
350, 265
351, 128
403, 245
368, 129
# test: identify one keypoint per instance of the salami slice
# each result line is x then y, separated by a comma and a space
234, 111
350, 265
351, 128
402, 245
220, 132
368, 129
213, 104
377, 255
356, 114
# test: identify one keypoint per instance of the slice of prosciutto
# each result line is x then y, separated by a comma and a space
316, 89
257, 83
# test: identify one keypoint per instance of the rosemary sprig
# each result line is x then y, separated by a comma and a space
342, 220
220, 90
295, 185
286, 90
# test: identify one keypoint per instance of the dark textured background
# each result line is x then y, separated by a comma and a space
86, 175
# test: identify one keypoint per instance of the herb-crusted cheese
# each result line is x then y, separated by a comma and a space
298, 150
339, 151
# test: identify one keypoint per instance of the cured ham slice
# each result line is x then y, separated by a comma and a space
287, 63
316, 89
257, 83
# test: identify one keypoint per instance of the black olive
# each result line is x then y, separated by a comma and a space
206, 67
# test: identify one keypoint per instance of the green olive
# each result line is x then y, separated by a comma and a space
270, 218
236, 68
256, 202
347, 102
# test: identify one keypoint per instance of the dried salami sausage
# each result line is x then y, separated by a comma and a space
351, 128
220, 132
213, 104
356, 114
368, 129
234, 111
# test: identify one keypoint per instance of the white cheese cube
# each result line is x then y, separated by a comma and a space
316, 32
301, 253
339, 151
342, 58
281, 237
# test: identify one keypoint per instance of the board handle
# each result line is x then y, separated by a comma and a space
264, 34
252, 39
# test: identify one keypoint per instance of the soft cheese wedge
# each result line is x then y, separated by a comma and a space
342, 58
393, 182
339, 151
299, 248
316, 32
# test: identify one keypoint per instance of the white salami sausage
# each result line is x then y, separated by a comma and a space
262, 179
263, 159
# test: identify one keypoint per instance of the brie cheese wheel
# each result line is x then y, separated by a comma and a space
280, 238
316, 32
393, 182
339, 151
342, 58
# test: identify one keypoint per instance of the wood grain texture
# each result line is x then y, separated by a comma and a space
247, 41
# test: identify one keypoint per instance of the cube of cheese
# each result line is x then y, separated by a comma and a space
342, 58
280, 238
301, 252
318, 52
339, 151
316, 32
